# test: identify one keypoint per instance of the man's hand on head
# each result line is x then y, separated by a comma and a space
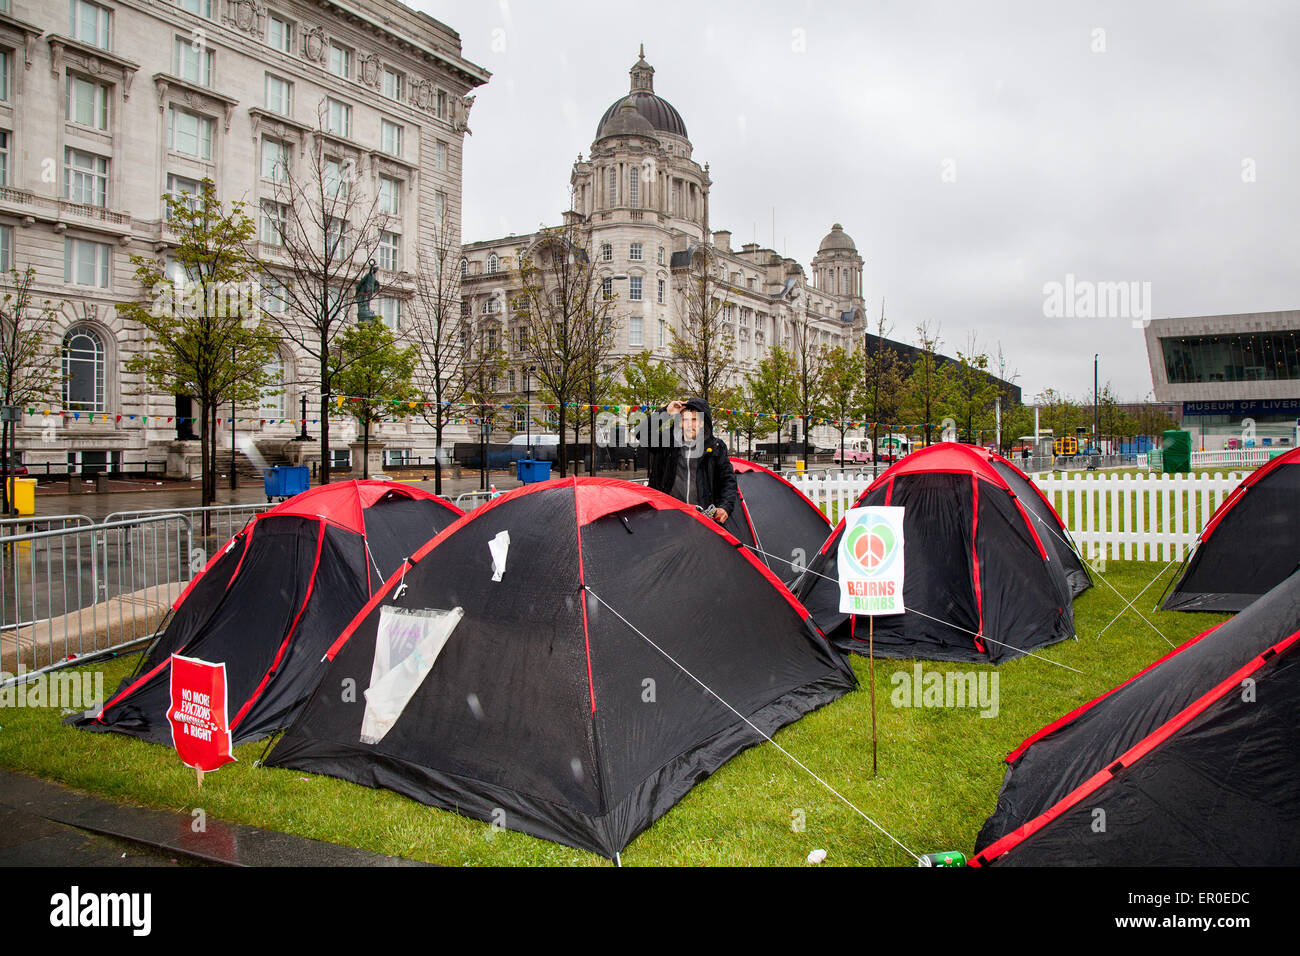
675, 407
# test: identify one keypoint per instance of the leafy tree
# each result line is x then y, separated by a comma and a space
374, 374
203, 332
1059, 413
647, 381
927, 386
808, 358
775, 389
29, 371
971, 391
743, 420
842, 373
883, 380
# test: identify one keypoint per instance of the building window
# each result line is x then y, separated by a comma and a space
661, 291
340, 61
390, 196
338, 117
389, 310
4, 157
613, 185
441, 102
440, 156
85, 177
5, 60
279, 34
279, 95
606, 252
274, 296
393, 85
387, 256
663, 333
202, 7
634, 289
607, 288
273, 403
83, 370
634, 187
188, 192
89, 23
192, 60
464, 268
661, 255
634, 252
189, 133
337, 176
493, 263
390, 138
6, 248
275, 160
87, 103
274, 217
634, 332
440, 206
336, 236
85, 262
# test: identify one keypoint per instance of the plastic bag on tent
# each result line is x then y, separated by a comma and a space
406, 646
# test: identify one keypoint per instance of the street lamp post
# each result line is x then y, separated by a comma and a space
1095, 398
234, 479
302, 435
483, 436
528, 411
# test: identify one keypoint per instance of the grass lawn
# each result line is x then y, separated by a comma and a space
940, 768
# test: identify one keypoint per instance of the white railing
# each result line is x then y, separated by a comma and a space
1120, 517
1224, 458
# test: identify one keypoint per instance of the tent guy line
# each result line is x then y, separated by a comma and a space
1128, 604
1159, 575
955, 627
787, 753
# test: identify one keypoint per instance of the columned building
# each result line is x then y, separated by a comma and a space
105, 105
645, 198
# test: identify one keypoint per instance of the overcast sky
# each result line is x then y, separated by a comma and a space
974, 150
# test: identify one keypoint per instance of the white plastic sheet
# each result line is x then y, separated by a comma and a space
406, 646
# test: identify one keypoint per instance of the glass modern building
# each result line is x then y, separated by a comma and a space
1237, 377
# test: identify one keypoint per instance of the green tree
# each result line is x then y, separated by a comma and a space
927, 386
882, 377
203, 332
743, 420
648, 381
775, 389
374, 374
971, 392
808, 358
1059, 413
29, 371
704, 346
841, 387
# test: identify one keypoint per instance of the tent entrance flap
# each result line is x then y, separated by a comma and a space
406, 646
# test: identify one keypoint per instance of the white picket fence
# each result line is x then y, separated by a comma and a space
1119, 517
1224, 458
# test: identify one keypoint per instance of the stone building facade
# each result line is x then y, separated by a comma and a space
107, 104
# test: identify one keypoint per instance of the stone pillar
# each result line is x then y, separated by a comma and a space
184, 459
358, 457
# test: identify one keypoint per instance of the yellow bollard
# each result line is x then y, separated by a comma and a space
799, 467
22, 495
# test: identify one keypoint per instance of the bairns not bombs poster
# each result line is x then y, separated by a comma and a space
870, 561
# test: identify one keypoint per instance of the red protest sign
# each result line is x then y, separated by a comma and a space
200, 728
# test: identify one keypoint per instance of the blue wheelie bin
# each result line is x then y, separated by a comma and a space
530, 471
284, 481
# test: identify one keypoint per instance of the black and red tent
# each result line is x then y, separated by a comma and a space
1250, 543
1192, 762
989, 570
609, 646
271, 602
776, 519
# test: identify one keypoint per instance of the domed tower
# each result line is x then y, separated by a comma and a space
640, 168
837, 269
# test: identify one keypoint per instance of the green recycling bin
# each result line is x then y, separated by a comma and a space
1177, 447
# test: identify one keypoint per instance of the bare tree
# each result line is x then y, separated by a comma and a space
567, 305
316, 242
704, 348
29, 370
435, 327
808, 359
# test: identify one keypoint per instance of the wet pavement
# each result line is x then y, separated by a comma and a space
47, 824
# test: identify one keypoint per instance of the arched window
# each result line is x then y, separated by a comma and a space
83, 370
493, 262
274, 395
464, 268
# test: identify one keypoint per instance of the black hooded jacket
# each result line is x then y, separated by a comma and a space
712, 472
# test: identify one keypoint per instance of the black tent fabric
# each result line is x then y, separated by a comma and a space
982, 582
571, 696
1191, 763
271, 602
777, 520
1250, 543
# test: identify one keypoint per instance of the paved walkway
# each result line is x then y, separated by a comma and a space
47, 824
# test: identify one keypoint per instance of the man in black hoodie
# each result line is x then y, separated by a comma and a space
688, 461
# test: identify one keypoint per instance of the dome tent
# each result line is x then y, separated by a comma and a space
776, 519
1251, 542
990, 573
1192, 760
271, 601
601, 627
